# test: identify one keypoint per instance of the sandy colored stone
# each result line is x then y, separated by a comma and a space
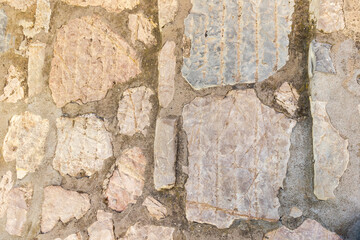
328, 14
310, 229
127, 181
89, 58
134, 111
83, 145
6, 184
13, 90
25, 142
167, 11
5, 39
238, 153
74, 236
21, 5
331, 155
287, 97
63, 205
155, 208
167, 67
42, 15
295, 212
109, 5
36, 81
148, 232
165, 149
351, 12
141, 29
102, 229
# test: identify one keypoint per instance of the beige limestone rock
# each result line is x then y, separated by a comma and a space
148, 232
330, 152
238, 153
155, 208
36, 81
352, 17
134, 111
295, 212
13, 90
42, 15
167, 67
6, 184
83, 145
167, 11
89, 58
74, 236
25, 142
310, 229
102, 229
328, 14
165, 148
109, 5
141, 29
21, 5
127, 181
63, 205
287, 97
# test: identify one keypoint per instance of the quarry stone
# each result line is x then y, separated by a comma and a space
102, 229
6, 184
148, 232
320, 55
141, 29
328, 14
21, 5
155, 208
36, 81
287, 97
5, 39
74, 236
167, 11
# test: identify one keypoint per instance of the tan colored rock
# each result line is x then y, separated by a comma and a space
102, 229
331, 155
25, 142
134, 111
127, 181
295, 212
109, 5
351, 12
310, 229
167, 11
63, 205
238, 153
155, 208
6, 184
72, 237
21, 5
148, 232
287, 97
328, 14
167, 67
36, 81
89, 58
42, 15
141, 29
83, 145
165, 149
13, 90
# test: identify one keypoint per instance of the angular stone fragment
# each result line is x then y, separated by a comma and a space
36, 81
21, 5
310, 229
102, 229
6, 184
167, 11
134, 111
329, 15
148, 232
320, 59
13, 90
240, 41
155, 208
287, 97
331, 155
295, 212
109, 5
127, 181
89, 58
5, 39
42, 16
165, 149
63, 205
238, 153
141, 29
83, 145
25, 142
72, 237
166, 67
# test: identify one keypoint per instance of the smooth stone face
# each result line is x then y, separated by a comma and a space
13, 91
238, 153
5, 39
36, 81
89, 58
63, 205
25, 142
295, 212
83, 145
102, 229
21, 5
320, 59
6, 184
109, 5
167, 11
227, 50
141, 29
155, 208
287, 97
329, 15
148, 232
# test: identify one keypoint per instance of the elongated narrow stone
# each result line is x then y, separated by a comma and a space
36, 81
5, 39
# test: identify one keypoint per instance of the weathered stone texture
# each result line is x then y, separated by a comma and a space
134, 111
320, 58
167, 11
155, 208
42, 15
36, 81
227, 50
72, 237
21, 5
329, 15
63, 205
89, 58
6, 184
25, 142
352, 17
165, 149
127, 181
295, 212
149, 232
5, 39
13, 90
141, 29
109, 5
238, 153
287, 97
83, 145
102, 229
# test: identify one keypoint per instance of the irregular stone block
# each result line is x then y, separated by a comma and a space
166, 67
149, 232
63, 205
287, 97
89, 58
83, 145
351, 12
329, 15
330, 152
36, 81
141, 29
72, 237
127, 181
13, 90
155, 208
42, 15
134, 111
310, 229
237, 41
165, 148
167, 11
320, 59
295, 212
25, 142
238, 153
5, 39
102, 229
21, 5
109, 5
6, 184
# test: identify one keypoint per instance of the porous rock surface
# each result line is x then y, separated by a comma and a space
149, 232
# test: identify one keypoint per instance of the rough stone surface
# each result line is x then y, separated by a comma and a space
238, 154
134, 111
287, 97
165, 148
320, 59
6, 184
226, 50
167, 67
25, 142
42, 15
102, 229
72, 237
63, 205
329, 15
167, 11
310, 229
21, 5
36, 81
351, 12
149, 232
155, 208
5, 39
89, 58
83, 145
127, 181
295, 212
13, 90
109, 5
141, 29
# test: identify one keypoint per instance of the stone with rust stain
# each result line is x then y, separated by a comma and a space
329, 15
155, 208
287, 97
167, 11
148, 232
109, 5
13, 91
102, 229
141, 29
